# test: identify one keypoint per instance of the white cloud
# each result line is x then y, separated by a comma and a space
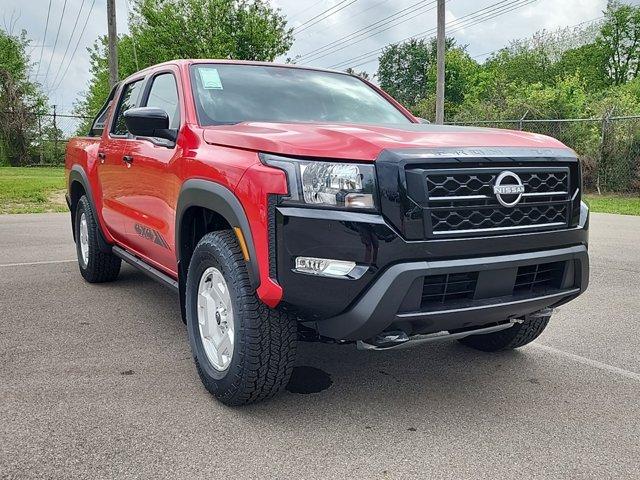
481, 38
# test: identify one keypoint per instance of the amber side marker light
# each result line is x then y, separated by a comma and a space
242, 242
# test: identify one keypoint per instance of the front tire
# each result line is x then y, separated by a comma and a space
95, 266
516, 336
244, 351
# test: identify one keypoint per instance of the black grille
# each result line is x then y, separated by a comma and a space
474, 218
539, 278
471, 184
465, 289
440, 290
461, 201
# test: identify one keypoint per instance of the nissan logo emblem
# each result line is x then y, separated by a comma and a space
508, 189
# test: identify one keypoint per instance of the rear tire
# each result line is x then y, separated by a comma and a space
514, 337
257, 361
95, 266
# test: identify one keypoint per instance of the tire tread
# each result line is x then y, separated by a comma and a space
269, 349
102, 266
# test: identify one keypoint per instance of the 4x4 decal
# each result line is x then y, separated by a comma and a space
151, 234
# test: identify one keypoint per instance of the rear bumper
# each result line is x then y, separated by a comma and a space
387, 301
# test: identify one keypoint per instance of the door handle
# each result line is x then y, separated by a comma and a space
128, 159
102, 156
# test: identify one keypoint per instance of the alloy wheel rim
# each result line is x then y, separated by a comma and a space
215, 318
84, 240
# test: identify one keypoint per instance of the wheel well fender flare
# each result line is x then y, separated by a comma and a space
78, 175
219, 199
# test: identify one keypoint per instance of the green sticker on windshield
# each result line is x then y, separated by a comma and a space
210, 78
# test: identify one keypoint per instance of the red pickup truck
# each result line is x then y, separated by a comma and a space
287, 203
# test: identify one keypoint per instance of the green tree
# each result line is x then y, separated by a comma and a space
407, 71
162, 30
589, 62
620, 40
403, 68
20, 99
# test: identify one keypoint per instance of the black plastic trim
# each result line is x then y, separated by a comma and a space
77, 174
379, 306
219, 199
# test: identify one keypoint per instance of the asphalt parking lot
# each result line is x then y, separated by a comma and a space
97, 381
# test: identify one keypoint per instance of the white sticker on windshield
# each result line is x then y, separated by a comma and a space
210, 78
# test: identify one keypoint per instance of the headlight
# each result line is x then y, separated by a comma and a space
327, 184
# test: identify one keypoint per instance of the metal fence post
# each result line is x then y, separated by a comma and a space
40, 139
55, 136
522, 120
603, 137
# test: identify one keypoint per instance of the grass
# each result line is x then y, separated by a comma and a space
32, 189
625, 205
41, 189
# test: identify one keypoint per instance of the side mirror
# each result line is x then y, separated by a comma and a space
422, 120
149, 122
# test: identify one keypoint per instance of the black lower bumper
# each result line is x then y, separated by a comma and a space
382, 305
393, 290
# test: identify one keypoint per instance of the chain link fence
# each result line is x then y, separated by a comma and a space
609, 147
37, 138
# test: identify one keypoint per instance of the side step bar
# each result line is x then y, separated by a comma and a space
145, 268
398, 339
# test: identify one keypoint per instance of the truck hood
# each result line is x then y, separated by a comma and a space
363, 142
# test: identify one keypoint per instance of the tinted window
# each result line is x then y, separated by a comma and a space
128, 100
164, 95
239, 93
97, 127
98, 124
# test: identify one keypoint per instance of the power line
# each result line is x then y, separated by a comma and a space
306, 9
464, 18
55, 43
469, 20
349, 42
472, 22
310, 23
327, 16
66, 50
75, 49
46, 27
366, 29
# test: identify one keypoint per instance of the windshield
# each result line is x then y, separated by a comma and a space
226, 94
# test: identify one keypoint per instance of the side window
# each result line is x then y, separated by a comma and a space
164, 95
98, 124
97, 127
128, 100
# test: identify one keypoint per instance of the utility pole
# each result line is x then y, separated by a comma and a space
440, 65
113, 40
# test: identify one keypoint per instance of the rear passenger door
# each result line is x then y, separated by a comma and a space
153, 177
112, 170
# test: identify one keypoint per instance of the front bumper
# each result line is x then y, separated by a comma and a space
385, 303
389, 292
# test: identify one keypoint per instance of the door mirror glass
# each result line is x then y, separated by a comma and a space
149, 122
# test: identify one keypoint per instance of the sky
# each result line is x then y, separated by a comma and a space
312, 31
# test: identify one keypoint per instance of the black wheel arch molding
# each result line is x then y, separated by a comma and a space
219, 199
78, 175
